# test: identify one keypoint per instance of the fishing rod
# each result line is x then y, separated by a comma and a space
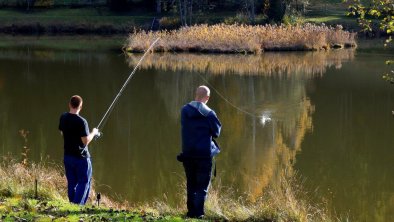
111, 107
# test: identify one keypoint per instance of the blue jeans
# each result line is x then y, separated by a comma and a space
79, 176
198, 177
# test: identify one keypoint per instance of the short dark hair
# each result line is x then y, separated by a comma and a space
75, 101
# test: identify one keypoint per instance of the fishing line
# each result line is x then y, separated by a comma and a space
111, 107
264, 118
226, 100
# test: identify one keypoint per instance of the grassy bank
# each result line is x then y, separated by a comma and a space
243, 39
24, 209
71, 21
331, 14
100, 20
20, 202
72, 43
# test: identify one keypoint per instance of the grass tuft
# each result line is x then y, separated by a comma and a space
18, 180
285, 201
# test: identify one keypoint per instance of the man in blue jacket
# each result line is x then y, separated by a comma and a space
199, 126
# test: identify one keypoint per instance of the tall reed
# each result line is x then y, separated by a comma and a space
242, 38
281, 201
18, 180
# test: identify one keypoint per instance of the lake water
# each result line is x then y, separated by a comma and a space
323, 116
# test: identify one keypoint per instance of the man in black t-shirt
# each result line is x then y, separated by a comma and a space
75, 131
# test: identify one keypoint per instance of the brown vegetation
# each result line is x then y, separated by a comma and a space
18, 179
242, 39
281, 201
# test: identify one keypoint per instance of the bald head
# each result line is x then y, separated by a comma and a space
202, 94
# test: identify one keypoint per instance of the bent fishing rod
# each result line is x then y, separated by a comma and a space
111, 107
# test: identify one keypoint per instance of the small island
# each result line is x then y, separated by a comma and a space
222, 38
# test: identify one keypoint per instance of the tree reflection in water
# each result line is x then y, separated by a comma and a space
255, 155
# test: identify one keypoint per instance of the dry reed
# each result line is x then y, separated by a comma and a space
282, 201
18, 179
242, 38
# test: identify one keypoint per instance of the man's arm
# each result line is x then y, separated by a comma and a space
60, 127
215, 124
87, 139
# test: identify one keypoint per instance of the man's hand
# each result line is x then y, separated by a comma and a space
87, 139
95, 132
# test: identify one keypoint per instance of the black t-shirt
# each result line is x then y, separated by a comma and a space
74, 127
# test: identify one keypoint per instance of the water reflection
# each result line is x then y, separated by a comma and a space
271, 83
350, 153
303, 64
136, 156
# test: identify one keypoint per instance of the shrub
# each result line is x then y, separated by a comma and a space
293, 19
44, 3
240, 18
169, 22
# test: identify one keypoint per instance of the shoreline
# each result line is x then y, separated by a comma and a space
102, 21
21, 201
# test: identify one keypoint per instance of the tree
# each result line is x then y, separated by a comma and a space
276, 10
250, 9
117, 5
158, 6
382, 12
185, 11
30, 3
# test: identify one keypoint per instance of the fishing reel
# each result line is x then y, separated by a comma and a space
98, 135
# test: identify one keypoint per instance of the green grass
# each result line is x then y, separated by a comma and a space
91, 19
18, 201
326, 19
282, 201
94, 15
75, 43
100, 19
330, 12
15, 208
67, 12
333, 20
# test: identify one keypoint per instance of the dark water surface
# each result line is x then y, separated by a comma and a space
330, 114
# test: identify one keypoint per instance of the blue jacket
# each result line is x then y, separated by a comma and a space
199, 125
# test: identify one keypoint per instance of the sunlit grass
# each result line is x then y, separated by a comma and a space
325, 19
20, 202
242, 38
18, 180
281, 201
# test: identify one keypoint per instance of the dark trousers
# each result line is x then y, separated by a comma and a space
79, 174
198, 176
